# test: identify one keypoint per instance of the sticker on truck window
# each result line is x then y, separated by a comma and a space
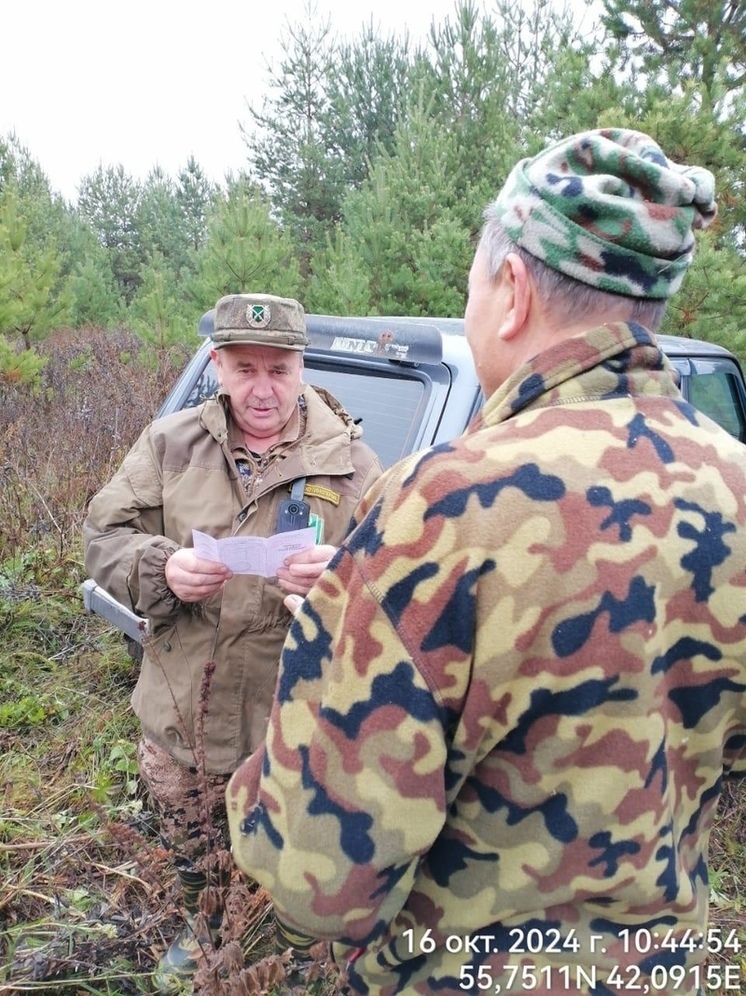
382, 346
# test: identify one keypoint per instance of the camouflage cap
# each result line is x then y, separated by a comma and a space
608, 209
259, 320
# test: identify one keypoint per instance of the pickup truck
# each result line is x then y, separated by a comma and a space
412, 383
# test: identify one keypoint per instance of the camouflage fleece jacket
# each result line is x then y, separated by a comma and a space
505, 710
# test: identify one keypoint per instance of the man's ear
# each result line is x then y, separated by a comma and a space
217, 361
515, 275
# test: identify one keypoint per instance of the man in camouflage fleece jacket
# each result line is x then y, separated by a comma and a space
504, 712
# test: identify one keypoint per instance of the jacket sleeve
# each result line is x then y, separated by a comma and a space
352, 788
125, 549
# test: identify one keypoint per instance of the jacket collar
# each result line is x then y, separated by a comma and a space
324, 448
615, 360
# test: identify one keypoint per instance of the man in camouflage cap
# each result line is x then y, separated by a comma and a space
609, 210
504, 713
223, 468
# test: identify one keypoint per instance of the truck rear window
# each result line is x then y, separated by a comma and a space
387, 406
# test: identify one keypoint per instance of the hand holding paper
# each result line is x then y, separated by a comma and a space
253, 554
305, 568
192, 578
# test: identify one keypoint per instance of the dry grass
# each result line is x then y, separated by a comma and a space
59, 443
88, 902
728, 879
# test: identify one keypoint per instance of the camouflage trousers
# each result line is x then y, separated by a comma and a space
189, 804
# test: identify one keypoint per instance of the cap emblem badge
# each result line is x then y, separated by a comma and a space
258, 316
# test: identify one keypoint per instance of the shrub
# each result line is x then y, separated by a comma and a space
63, 437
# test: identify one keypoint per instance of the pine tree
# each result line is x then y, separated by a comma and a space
246, 250
340, 282
288, 144
49, 231
404, 225
159, 224
681, 42
109, 199
95, 295
31, 301
196, 197
158, 312
370, 84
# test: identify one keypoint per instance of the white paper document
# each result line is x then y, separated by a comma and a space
253, 554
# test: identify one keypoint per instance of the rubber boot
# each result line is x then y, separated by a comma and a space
177, 966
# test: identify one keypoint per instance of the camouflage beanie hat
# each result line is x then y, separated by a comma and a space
608, 209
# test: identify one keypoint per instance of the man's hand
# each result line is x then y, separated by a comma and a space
292, 603
299, 572
192, 579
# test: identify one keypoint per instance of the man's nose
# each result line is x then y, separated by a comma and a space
262, 386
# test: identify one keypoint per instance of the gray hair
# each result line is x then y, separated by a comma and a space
570, 299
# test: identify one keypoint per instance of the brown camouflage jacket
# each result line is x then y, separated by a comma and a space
180, 476
504, 712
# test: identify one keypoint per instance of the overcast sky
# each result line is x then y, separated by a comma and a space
149, 82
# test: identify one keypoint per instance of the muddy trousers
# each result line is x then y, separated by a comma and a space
189, 805
193, 824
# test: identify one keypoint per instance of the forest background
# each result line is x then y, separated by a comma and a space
368, 167
367, 170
